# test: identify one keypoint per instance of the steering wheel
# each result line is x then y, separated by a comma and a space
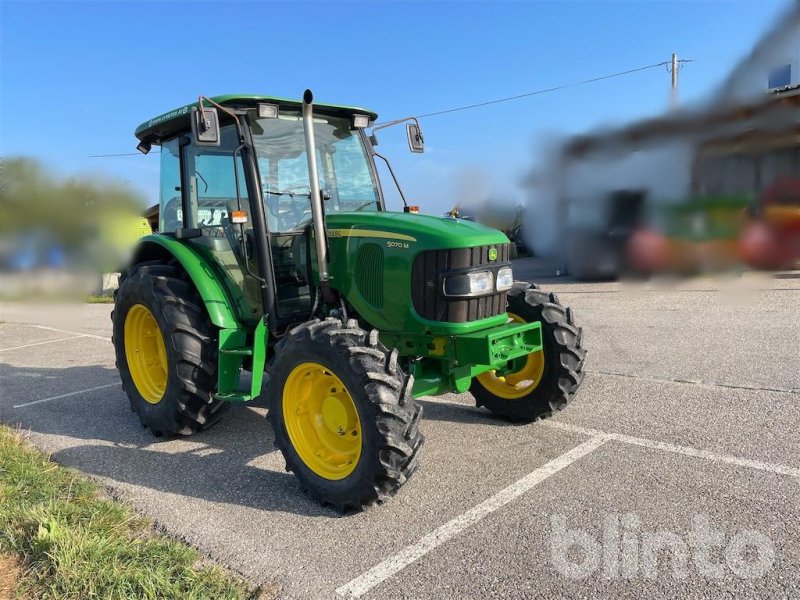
276, 201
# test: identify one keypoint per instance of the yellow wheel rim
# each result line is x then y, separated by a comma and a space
146, 353
515, 385
322, 421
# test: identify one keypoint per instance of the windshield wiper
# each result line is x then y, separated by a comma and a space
287, 193
364, 205
325, 195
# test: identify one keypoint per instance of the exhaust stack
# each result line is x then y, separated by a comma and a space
317, 210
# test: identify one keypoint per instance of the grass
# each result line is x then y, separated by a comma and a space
61, 538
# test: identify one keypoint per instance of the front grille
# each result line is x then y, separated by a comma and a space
426, 290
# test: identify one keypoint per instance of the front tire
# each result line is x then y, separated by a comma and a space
547, 380
342, 413
166, 350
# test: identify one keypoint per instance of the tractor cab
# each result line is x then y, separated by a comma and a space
206, 194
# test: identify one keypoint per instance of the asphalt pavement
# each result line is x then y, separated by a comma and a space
675, 471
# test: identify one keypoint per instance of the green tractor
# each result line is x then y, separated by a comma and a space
277, 271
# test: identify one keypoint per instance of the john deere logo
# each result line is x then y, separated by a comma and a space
492, 253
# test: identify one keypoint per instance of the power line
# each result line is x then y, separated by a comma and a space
547, 90
666, 63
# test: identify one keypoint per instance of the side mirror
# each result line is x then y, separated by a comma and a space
415, 141
205, 127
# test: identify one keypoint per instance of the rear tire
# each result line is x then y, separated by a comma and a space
563, 358
181, 402
381, 414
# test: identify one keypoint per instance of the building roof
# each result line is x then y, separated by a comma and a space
174, 121
786, 90
692, 123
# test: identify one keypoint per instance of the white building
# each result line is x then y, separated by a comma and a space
709, 150
773, 65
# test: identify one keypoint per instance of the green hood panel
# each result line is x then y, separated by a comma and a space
422, 232
371, 259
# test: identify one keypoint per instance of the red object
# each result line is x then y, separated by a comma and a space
648, 252
773, 242
780, 204
761, 248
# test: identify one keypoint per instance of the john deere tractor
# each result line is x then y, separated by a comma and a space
278, 272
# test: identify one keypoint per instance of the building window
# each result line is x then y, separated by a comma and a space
780, 77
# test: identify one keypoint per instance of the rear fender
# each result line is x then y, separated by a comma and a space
218, 303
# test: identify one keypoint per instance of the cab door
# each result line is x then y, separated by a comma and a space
213, 183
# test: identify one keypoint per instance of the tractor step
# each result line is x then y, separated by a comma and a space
233, 349
237, 351
233, 397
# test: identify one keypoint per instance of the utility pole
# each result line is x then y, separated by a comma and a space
674, 93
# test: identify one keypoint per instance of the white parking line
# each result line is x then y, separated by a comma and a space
89, 335
394, 564
72, 337
778, 469
59, 397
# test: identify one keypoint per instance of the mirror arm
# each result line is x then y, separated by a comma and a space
226, 110
394, 177
396, 122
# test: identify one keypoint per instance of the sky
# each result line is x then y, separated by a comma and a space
76, 78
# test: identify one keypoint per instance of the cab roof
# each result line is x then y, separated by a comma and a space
177, 120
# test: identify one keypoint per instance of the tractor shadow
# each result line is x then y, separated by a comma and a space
234, 462
466, 414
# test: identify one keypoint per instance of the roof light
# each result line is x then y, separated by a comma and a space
144, 147
360, 121
268, 111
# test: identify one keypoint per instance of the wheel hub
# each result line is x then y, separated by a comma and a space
334, 415
145, 353
322, 421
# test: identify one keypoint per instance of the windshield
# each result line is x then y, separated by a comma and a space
346, 179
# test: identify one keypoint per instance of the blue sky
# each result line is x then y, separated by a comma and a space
78, 77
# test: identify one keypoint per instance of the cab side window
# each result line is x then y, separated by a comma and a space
170, 212
214, 174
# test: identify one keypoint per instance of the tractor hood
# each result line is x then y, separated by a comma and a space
419, 232
391, 268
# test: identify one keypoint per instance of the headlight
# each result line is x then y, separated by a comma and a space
478, 283
505, 279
